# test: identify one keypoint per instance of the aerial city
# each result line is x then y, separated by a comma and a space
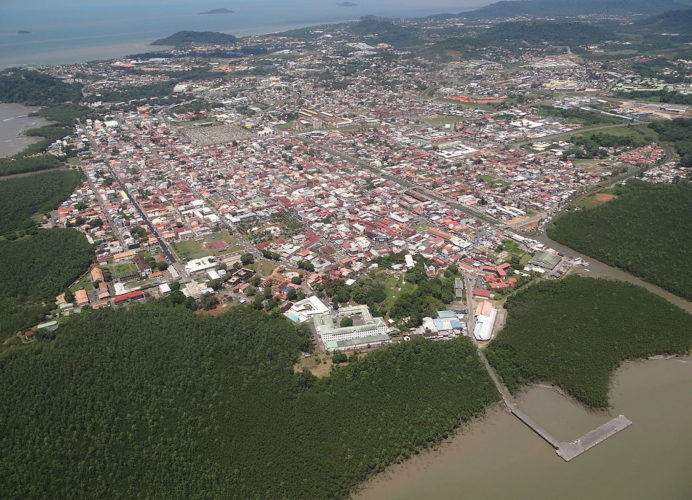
308, 249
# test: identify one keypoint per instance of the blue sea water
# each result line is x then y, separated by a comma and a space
65, 32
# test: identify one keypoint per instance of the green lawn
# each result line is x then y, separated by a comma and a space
193, 249
392, 285
123, 268
264, 267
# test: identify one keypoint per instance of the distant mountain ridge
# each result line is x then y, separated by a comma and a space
678, 21
188, 37
547, 8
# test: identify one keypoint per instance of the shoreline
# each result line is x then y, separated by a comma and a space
476, 438
13, 139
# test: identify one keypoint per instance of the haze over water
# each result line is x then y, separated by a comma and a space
77, 31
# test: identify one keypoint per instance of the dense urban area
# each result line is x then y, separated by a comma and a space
349, 217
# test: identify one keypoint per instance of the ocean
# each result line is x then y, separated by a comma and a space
71, 34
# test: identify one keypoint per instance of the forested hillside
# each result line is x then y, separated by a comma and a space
575, 332
188, 37
678, 132
543, 8
532, 32
36, 89
155, 402
34, 271
22, 197
646, 231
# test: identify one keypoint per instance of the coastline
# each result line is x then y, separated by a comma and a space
15, 120
497, 453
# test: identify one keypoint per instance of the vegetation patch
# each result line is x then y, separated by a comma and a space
212, 404
34, 270
646, 231
22, 197
577, 331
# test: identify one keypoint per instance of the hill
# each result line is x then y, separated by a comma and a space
678, 21
646, 230
577, 331
188, 37
521, 33
217, 11
553, 32
383, 31
156, 402
35, 89
549, 8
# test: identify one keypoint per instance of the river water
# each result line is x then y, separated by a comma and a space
14, 120
597, 269
498, 457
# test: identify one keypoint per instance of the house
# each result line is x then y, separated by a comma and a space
142, 265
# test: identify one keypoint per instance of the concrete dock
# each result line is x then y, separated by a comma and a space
531, 424
573, 449
566, 450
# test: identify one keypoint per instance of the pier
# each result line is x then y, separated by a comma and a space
573, 449
567, 450
531, 424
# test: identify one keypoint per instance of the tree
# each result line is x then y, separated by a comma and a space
208, 301
247, 259
250, 291
297, 280
292, 294
346, 322
306, 265
69, 296
339, 357
175, 286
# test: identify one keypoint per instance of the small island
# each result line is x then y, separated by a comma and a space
217, 11
182, 38
23, 32
347, 4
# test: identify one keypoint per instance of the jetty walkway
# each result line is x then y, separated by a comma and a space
567, 450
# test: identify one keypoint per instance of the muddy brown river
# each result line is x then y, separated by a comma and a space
499, 458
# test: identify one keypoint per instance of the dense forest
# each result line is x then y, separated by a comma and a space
678, 132
157, 402
21, 163
35, 269
646, 230
658, 96
582, 116
534, 32
35, 89
22, 197
576, 332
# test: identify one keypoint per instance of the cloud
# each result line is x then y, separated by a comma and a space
347, 4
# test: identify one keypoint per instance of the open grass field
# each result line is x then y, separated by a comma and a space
395, 286
195, 249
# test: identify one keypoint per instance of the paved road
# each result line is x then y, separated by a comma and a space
162, 243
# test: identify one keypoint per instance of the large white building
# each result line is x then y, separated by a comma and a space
364, 331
